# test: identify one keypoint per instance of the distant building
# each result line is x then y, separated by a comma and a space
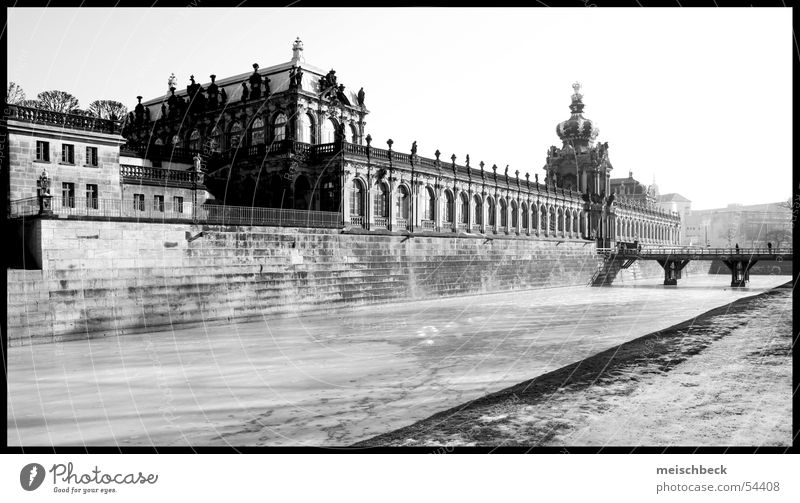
678, 204
747, 225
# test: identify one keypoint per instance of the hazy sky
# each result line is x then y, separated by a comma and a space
699, 98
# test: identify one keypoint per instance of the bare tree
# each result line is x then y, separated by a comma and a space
57, 101
30, 103
14, 94
108, 109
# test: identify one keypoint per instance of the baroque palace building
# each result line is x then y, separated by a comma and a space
287, 143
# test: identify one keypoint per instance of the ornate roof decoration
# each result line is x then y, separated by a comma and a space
577, 127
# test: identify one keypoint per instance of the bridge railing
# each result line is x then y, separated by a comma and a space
645, 251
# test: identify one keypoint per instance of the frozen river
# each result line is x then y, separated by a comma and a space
330, 380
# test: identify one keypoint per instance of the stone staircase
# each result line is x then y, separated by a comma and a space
606, 272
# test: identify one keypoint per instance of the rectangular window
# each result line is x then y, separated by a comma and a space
68, 153
158, 203
138, 202
177, 204
91, 196
43, 151
68, 195
91, 156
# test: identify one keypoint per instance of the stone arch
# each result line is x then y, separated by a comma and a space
503, 213
329, 126
279, 125
215, 139
235, 135
308, 128
463, 216
403, 202
302, 193
535, 217
194, 140
429, 204
525, 216
381, 201
491, 211
358, 198
353, 133
478, 209
449, 207
514, 215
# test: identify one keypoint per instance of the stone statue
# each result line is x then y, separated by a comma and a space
147, 114
414, 148
198, 161
213, 92
139, 110
172, 82
245, 92
341, 96
163, 111
44, 183
255, 83
361, 97
266, 86
223, 96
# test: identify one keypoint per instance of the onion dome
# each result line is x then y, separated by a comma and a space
577, 128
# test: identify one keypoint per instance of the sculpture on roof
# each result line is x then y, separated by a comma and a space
414, 148
255, 83
172, 82
213, 92
341, 96
361, 97
223, 96
245, 92
296, 78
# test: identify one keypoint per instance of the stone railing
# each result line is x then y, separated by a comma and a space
65, 120
381, 222
402, 224
159, 176
357, 221
148, 210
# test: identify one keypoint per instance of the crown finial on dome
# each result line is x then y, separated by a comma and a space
577, 86
297, 51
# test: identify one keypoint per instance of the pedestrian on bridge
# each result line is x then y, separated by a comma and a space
769, 247
737, 248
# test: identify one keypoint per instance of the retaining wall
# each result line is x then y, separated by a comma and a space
102, 278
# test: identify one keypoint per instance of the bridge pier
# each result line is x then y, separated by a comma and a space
740, 271
672, 270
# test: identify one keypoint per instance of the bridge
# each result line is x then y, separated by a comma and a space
674, 259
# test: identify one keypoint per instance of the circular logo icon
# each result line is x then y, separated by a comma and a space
31, 476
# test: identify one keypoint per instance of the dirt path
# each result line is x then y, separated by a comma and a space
723, 378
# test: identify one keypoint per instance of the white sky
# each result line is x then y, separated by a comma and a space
699, 98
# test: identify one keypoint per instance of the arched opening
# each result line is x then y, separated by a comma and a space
429, 205
235, 135
353, 133
329, 131
560, 221
302, 193
279, 127
582, 219
381, 204
357, 199
478, 210
214, 142
464, 216
308, 132
503, 213
449, 207
329, 194
514, 215
275, 191
403, 200
552, 223
257, 131
195, 142
535, 217
491, 211
524, 217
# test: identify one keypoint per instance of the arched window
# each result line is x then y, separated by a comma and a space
381, 206
490, 210
194, 141
429, 204
329, 131
449, 206
357, 199
560, 220
402, 204
552, 216
478, 210
535, 216
514, 215
279, 128
503, 213
308, 130
159, 141
353, 133
257, 131
464, 217
524, 217
176, 141
214, 140
235, 136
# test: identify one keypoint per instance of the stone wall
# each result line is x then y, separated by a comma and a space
101, 278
